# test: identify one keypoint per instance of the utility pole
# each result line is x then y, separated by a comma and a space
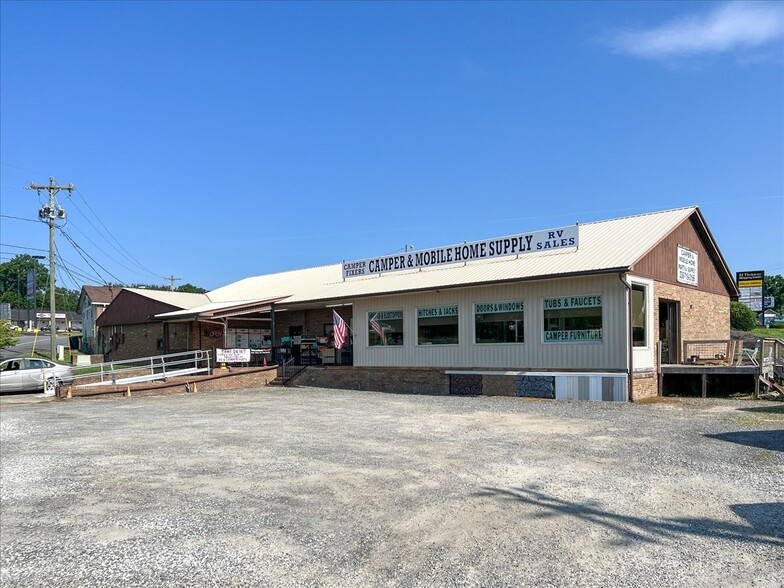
171, 278
48, 214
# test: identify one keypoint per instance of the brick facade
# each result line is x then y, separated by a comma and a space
703, 315
312, 321
644, 386
387, 379
132, 341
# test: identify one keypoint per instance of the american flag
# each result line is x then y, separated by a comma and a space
378, 328
339, 330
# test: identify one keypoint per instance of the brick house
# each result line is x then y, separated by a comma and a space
127, 328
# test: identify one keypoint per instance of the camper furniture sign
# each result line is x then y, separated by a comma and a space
551, 239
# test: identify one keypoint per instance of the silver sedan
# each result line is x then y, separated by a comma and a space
21, 374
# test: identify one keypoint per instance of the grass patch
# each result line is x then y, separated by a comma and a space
769, 333
46, 355
776, 409
764, 455
748, 420
658, 400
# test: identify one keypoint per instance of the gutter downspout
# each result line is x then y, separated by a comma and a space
630, 388
273, 355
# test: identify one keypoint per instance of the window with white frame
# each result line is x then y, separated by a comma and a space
498, 322
437, 325
573, 319
385, 328
639, 316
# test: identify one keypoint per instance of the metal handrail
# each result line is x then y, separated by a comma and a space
288, 370
158, 367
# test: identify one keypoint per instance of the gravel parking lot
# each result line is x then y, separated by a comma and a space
312, 487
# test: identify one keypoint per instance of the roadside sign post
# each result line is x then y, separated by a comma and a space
751, 286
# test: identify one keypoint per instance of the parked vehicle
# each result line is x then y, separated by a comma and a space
22, 374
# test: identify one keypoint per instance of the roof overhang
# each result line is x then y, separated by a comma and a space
215, 311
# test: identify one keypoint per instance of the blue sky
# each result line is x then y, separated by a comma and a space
215, 141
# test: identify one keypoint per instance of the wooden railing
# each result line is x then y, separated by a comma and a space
713, 351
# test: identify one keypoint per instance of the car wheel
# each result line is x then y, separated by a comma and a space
52, 383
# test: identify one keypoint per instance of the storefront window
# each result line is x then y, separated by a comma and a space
639, 316
437, 326
499, 322
573, 319
385, 327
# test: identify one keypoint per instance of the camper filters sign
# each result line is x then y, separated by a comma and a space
551, 239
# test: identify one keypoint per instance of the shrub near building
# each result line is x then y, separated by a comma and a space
742, 318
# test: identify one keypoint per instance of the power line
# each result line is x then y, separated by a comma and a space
24, 169
81, 273
87, 238
20, 247
65, 266
29, 220
84, 255
119, 247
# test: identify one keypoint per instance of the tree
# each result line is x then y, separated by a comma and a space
191, 289
13, 286
742, 318
187, 288
8, 338
774, 286
13, 282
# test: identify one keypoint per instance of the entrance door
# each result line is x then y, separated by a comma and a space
669, 331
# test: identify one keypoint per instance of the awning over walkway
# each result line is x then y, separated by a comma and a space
220, 310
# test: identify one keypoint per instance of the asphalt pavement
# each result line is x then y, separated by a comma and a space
28, 342
313, 487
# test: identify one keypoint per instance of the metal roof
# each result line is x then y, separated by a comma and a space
178, 299
604, 246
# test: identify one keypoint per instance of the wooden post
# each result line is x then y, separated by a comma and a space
759, 372
704, 385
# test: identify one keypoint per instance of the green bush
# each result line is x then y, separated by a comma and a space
742, 318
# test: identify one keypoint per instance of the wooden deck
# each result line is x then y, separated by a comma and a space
724, 358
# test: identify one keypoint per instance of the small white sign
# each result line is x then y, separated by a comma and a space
232, 355
687, 266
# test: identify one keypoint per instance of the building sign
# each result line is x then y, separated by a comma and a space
687, 266
562, 238
232, 355
573, 319
437, 311
47, 315
498, 307
388, 315
750, 285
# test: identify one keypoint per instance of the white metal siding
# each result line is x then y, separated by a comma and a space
610, 354
591, 387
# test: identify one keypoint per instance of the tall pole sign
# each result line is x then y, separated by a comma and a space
751, 286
